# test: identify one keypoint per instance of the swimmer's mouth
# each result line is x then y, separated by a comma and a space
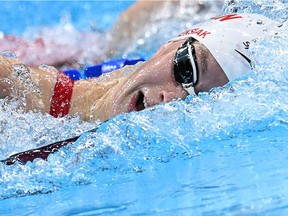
137, 102
140, 104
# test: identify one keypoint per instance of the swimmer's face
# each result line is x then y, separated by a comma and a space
154, 83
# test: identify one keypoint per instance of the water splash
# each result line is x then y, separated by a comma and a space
137, 142
276, 10
141, 141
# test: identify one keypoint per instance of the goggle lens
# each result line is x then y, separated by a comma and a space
185, 64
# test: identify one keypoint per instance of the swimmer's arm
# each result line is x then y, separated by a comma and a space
132, 22
38, 89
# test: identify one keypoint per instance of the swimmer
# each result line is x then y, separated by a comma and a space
208, 55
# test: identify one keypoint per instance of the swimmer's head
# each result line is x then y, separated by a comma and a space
207, 56
228, 37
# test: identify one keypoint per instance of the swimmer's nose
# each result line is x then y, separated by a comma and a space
167, 96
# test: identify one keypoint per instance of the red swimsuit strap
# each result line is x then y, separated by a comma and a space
61, 97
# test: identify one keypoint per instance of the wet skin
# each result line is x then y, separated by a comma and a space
154, 83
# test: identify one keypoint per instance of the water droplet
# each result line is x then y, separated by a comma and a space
259, 22
8, 54
48, 68
44, 67
20, 70
279, 25
141, 41
22, 73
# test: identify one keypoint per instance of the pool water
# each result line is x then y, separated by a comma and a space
18, 17
222, 153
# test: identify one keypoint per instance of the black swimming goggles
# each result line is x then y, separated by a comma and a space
185, 66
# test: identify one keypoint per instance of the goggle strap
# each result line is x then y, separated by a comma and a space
195, 78
189, 89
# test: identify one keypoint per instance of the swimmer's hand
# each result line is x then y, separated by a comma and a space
14, 76
34, 86
7, 83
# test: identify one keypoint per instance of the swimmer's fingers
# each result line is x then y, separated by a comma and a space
9, 82
6, 65
6, 86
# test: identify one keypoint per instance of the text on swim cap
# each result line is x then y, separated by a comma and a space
246, 44
227, 17
203, 33
200, 32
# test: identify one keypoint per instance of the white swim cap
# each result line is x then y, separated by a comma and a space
227, 38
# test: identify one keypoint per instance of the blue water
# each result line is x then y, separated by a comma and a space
222, 153
19, 16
